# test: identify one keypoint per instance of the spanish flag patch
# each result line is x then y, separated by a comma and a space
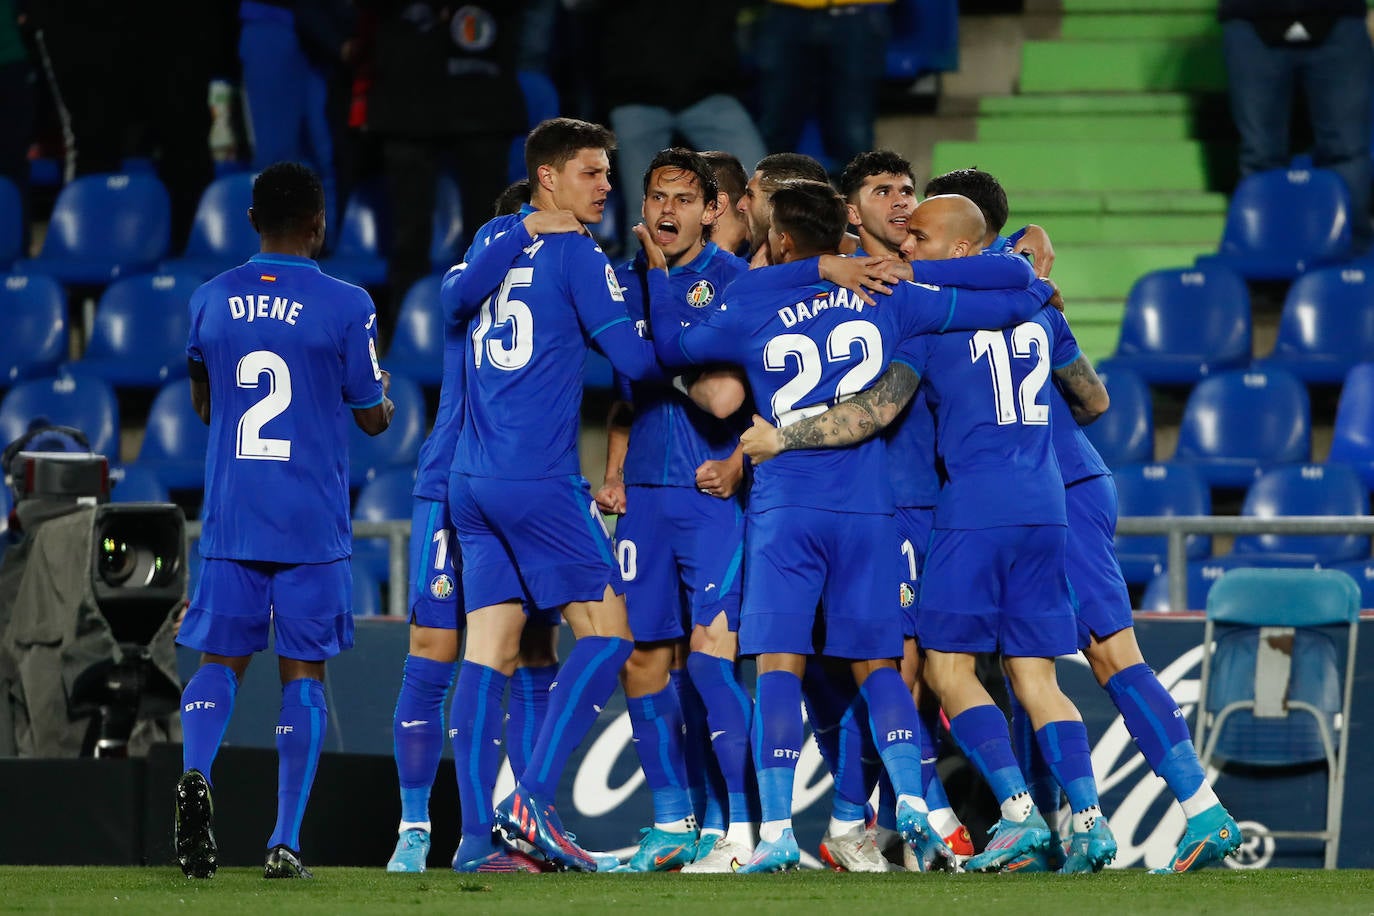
267, 278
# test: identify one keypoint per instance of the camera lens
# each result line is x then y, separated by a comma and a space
116, 561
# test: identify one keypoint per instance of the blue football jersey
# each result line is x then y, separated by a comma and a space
671, 436
289, 352
911, 454
993, 421
1078, 458
807, 348
527, 343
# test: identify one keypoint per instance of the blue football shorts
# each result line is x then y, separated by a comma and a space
539, 541
997, 590
435, 598
1104, 604
309, 605
796, 558
913, 539
679, 552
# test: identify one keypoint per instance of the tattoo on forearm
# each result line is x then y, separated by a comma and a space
862, 416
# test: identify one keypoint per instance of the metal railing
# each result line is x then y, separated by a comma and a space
1176, 527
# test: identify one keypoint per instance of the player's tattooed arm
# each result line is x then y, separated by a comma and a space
861, 417
1084, 391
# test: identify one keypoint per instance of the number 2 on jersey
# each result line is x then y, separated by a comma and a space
1025, 338
839, 346
499, 311
250, 443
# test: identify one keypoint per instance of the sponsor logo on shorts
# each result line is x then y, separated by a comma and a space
441, 586
701, 294
908, 595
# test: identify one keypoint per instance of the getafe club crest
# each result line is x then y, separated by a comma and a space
701, 294
908, 595
441, 586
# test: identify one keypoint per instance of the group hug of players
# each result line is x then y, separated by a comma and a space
874, 546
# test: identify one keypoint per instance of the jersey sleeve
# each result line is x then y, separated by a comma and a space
465, 286
362, 374
197, 309
714, 339
986, 271
1065, 349
913, 352
794, 273
600, 305
969, 310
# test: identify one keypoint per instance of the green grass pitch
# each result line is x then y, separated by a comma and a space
359, 890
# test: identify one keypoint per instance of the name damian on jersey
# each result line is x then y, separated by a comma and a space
838, 298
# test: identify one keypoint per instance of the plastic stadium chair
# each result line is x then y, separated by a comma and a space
137, 484
1305, 489
1237, 423
1125, 434
1158, 490
1277, 683
384, 498
1283, 222
1202, 575
35, 318
221, 236
361, 252
175, 439
1327, 325
83, 402
1362, 571
1352, 437
399, 446
417, 344
139, 336
104, 227
11, 223
1183, 325
446, 239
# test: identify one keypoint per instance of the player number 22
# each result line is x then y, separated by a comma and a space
1028, 341
498, 312
839, 346
251, 444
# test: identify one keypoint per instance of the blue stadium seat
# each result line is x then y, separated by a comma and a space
1327, 325
1183, 325
35, 339
137, 484
1283, 222
399, 446
1238, 423
1362, 571
359, 256
1125, 434
104, 227
1202, 575
139, 336
1158, 490
83, 402
384, 498
11, 223
417, 344
1305, 489
1352, 437
446, 238
221, 236
925, 38
367, 593
175, 439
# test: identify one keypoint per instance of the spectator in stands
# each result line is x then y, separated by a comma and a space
443, 88
1270, 46
824, 57
16, 108
652, 102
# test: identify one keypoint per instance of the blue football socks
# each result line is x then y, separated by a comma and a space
1065, 746
300, 738
417, 729
656, 724
1044, 789
529, 701
896, 730
981, 732
475, 732
729, 712
777, 741
206, 705
1159, 729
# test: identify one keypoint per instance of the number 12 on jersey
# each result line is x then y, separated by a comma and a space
1028, 341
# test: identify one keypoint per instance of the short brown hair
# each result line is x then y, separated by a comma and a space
555, 141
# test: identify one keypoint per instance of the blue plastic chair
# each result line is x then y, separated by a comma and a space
446, 236
1362, 571
175, 440
361, 251
417, 344
104, 227
136, 484
1202, 575
1125, 434
1158, 490
139, 336
35, 316
1327, 325
11, 223
221, 236
1283, 222
1352, 436
1277, 683
384, 498
1305, 489
399, 446
84, 402
1238, 423
1183, 325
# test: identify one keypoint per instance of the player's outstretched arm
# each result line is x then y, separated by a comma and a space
375, 419
971, 309
861, 417
1084, 391
988, 271
466, 286
611, 497
719, 391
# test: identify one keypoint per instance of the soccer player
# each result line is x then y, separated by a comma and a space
278, 354
673, 472
529, 530
1106, 632
730, 232
436, 610
756, 204
803, 348
994, 577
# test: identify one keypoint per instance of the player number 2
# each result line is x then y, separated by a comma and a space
497, 313
839, 347
1028, 341
251, 444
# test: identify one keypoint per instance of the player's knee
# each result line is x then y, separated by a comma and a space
645, 671
1110, 656
434, 643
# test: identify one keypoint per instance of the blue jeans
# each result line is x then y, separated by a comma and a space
826, 62
1335, 77
715, 122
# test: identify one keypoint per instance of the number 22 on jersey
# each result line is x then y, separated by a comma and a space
839, 347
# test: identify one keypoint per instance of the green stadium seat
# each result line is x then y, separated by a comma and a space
1088, 127
1046, 165
1122, 66
1141, 25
